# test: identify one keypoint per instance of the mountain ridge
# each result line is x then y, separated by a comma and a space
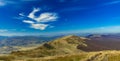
69, 48
64, 45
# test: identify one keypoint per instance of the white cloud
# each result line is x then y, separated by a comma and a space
39, 22
21, 14
13, 2
47, 17
32, 14
39, 26
2, 3
6, 2
28, 21
44, 17
3, 30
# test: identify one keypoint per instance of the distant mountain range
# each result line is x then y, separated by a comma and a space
93, 42
8, 44
74, 44
24, 40
69, 48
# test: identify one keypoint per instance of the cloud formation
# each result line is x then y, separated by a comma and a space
6, 2
32, 14
3, 30
21, 14
44, 17
40, 21
39, 26
2, 3
28, 21
13, 2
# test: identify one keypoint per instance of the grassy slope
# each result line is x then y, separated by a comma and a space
85, 56
91, 56
61, 46
62, 49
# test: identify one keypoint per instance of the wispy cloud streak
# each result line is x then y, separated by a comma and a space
3, 30
111, 3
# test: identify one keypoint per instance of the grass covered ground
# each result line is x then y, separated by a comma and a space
86, 56
114, 56
62, 49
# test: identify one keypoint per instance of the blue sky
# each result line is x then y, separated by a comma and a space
48, 17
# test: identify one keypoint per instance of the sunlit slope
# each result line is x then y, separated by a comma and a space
60, 46
84, 56
68, 48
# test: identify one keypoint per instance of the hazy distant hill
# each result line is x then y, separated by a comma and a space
3, 37
24, 40
105, 42
8, 44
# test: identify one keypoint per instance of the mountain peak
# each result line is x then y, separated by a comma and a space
70, 39
72, 36
64, 45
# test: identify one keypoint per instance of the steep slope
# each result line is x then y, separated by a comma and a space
68, 48
71, 44
60, 46
103, 42
14, 43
